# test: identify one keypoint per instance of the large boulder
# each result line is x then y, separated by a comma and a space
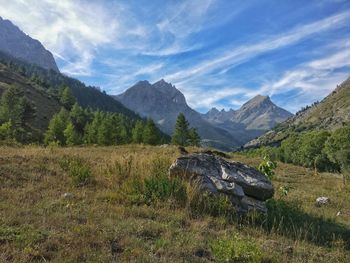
246, 187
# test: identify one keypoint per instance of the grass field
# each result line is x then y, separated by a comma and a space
106, 218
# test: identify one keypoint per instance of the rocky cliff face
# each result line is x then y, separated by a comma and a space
162, 102
19, 45
254, 118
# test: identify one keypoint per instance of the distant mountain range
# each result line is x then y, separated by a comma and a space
331, 113
253, 119
19, 45
162, 102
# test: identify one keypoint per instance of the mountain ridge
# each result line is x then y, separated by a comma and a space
251, 120
162, 102
331, 113
16, 43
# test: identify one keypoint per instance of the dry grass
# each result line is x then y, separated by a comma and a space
99, 224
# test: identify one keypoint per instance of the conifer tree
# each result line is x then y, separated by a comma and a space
137, 132
194, 139
180, 134
71, 136
78, 118
67, 99
150, 133
57, 125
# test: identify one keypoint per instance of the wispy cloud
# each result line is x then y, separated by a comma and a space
238, 55
67, 28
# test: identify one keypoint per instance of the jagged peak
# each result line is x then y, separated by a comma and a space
257, 100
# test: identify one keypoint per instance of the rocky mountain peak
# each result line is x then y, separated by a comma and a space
170, 91
258, 101
16, 43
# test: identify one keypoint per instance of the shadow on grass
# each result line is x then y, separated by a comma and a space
290, 220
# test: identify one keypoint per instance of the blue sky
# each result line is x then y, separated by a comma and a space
217, 52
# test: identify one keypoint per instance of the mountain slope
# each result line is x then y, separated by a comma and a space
86, 96
331, 113
163, 102
46, 105
19, 45
253, 119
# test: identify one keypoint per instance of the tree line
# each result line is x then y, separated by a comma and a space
320, 150
75, 125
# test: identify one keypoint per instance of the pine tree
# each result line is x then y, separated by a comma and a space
150, 133
194, 139
78, 118
67, 99
137, 132
71, 136
180, 134
91, 129
10, 106
57, 125
18, 111
105, 132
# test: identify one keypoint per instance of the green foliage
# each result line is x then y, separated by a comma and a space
57, 125
183, 135
194, 138
15, 113
236, 249
180, 135
337, 149
66, 98
205, 203
158, 189
320, 150
137, 132
77, 169
150, 133
267, 167
71, 136
6, 131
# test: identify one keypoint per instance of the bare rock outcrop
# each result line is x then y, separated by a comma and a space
247, 188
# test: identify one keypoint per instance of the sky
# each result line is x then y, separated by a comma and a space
219, 53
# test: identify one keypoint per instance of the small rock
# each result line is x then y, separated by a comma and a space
322, 200
202, 253
68, 195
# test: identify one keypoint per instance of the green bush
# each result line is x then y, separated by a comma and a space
267, 167
76, 169
236, 249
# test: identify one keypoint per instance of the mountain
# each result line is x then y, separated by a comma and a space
331, 113
46, 105
19, 45
253, 119
87, 96
162, 102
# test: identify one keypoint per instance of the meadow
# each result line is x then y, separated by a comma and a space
116, 204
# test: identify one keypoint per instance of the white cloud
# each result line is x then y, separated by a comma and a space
238, 55
72, 30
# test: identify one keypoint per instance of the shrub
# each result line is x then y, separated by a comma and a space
77, 170
267, 167
236, 249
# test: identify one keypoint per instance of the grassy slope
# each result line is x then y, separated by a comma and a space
45, 105
38, 224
